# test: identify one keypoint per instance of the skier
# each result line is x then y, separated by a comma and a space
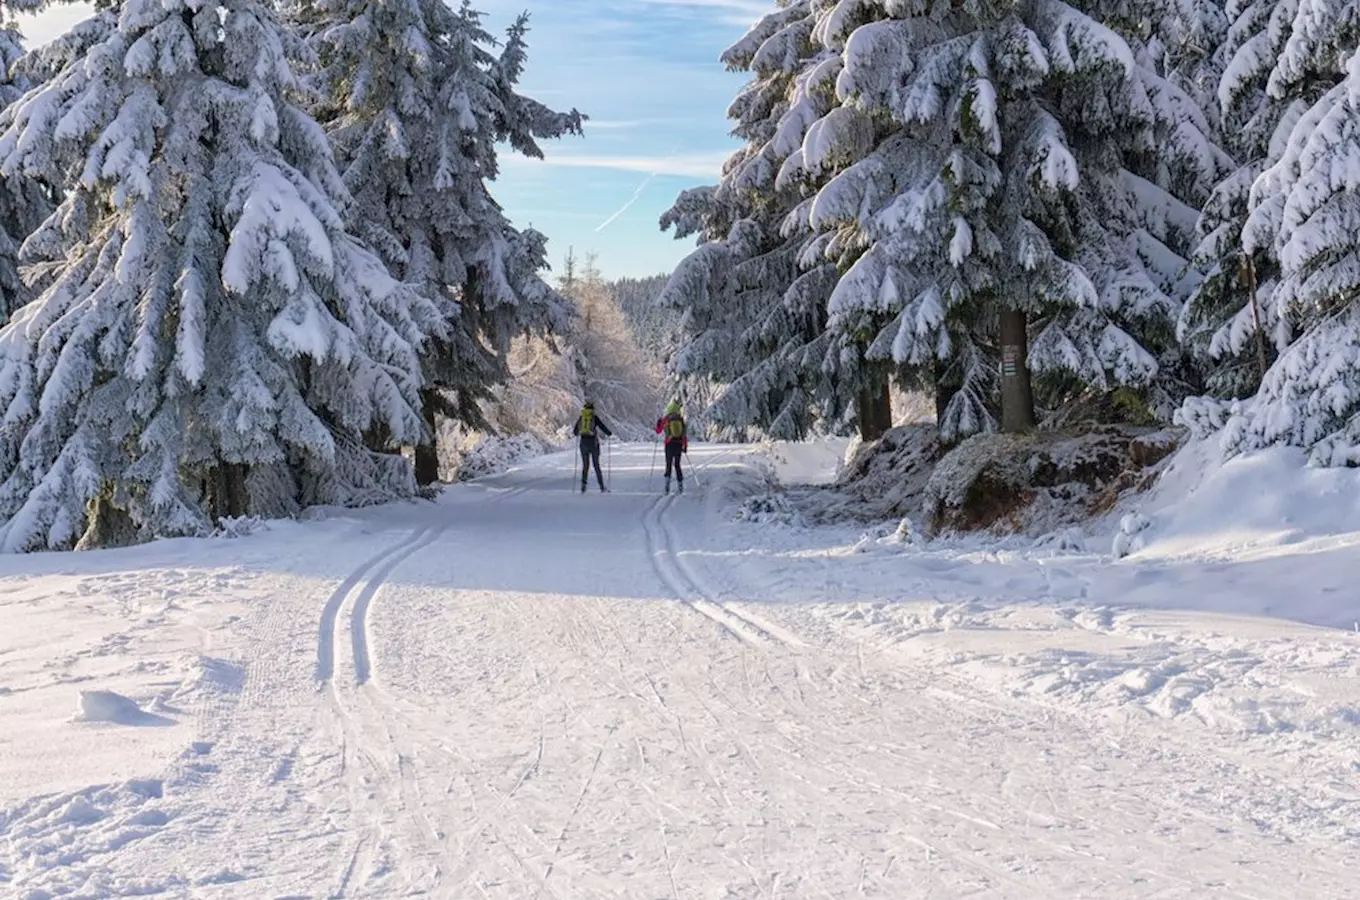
587, 424
672, 425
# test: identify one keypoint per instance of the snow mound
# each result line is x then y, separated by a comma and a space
114, 708
107, 706
1263, 502
809, 462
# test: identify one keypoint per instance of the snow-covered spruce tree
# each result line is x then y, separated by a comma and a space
1023, 180
753, 295
414, 104
1286, 55
16, 215
1231, 324
1305, 211
24, 201
212, 342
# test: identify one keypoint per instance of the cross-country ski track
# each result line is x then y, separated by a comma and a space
521, 691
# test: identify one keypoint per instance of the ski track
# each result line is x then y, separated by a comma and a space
671, 568
377, 767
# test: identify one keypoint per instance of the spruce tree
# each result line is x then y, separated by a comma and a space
754, 294
212, 341
1304, 211
415, 103
1231, 323
1026, 201
12, 229
1279, 233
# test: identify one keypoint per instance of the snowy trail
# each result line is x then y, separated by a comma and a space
525, 692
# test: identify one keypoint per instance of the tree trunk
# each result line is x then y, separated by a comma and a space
108, 525
875, 410
1249, 282
379, 438
228, 497
1017, 396
426, 452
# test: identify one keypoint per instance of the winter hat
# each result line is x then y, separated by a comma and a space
589, 405
673, 408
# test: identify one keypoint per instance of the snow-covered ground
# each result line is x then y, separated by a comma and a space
520, 691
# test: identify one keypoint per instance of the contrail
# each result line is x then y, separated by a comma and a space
623, 209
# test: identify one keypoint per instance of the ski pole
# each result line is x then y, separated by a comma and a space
610, 462
652, 471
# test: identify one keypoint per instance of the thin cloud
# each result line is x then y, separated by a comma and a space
748, 11
628, 124
685, 165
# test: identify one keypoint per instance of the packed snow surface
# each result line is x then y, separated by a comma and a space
521, 691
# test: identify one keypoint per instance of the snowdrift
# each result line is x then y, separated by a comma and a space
1263, 503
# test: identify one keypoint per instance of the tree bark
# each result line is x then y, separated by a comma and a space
1017, 395
875, 410
426, 452
225, 487
1249, 282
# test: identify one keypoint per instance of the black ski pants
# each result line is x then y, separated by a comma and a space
674, 450
590, 452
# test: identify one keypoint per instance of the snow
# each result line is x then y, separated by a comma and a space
1268, 503
519, 690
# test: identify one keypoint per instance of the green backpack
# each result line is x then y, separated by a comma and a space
587, 423
675, 426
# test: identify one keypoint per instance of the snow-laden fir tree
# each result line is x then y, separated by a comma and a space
415, 103
1305, 212
999, 170
1231, 324
24, 201
1288, 222
212, 341
753, 295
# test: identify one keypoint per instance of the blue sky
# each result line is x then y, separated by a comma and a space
647, 74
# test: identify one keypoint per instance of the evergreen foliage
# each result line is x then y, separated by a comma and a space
211, 341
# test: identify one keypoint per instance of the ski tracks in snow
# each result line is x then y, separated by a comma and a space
678, 576
362, 586
392, 830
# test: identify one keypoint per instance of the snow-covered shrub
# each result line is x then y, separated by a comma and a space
772, 508
239, 526
490, 454
1129, 538
1064, 539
